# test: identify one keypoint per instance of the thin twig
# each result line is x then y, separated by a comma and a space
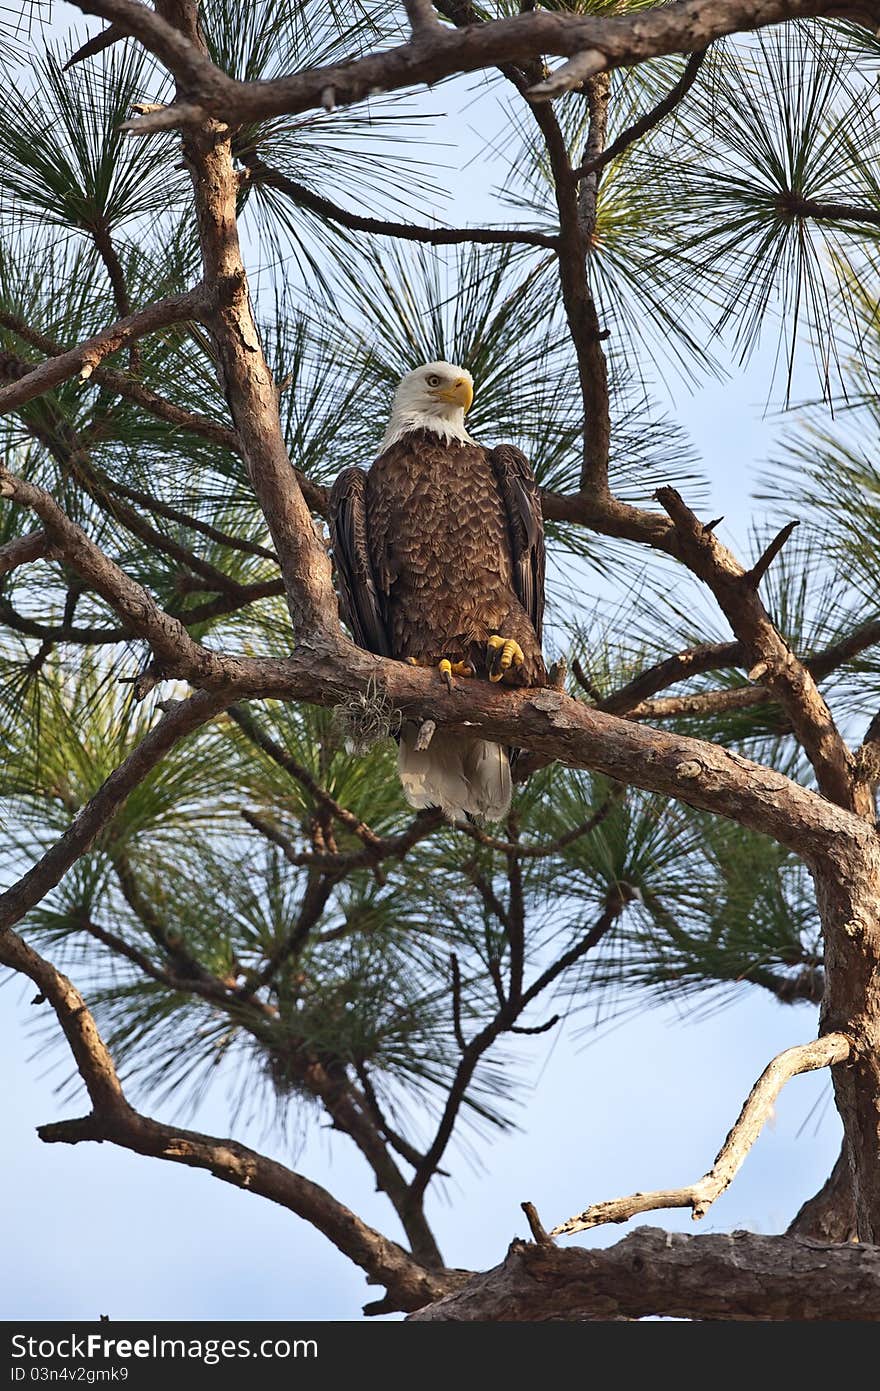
456, 1002
536, 1226
766, 559
537, 852
257, 736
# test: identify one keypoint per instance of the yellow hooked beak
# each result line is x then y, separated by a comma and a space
461, 393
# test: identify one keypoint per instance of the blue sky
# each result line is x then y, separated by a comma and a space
638, 1104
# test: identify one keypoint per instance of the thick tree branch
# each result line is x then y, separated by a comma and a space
422, 17
617, 41
693, 661
827, 1051
546, 721
632, 699
774, 662
795, 204
23, 550
252, 395
652, 1273
830, 1214
409, 1284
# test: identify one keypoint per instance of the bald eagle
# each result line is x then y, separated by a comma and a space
439, 555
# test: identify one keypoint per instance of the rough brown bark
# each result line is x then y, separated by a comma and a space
251, 391
774, 663
847, 879
652, 1272
618, 40
830, 1215
114, 1120
85, 357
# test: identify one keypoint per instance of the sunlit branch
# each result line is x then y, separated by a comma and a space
699, 1197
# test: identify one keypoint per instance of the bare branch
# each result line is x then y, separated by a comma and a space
807, 1057
703, 704
510, 1009
97, 44
114, 1120
775, 663
799, 206
343, 861
535, 1225
693, 661
93, 1061
617, 40
766, 559
456, 1003
422, 17
537, 852
103, 240
580, 69
85, 357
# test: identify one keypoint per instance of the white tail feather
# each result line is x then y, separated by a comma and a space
460, 775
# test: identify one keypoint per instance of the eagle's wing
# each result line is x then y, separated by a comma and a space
522, 502
361, 604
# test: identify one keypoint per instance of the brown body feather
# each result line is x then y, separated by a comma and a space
439, 547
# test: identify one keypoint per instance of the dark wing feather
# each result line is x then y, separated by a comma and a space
361, 605
522, 502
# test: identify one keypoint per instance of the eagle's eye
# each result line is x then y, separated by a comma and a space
432, 379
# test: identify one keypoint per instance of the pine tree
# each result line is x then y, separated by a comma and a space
203, 821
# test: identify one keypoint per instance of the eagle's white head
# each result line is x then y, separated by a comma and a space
435, 397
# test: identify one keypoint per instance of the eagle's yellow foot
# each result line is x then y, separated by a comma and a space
501, 655
449, 669
446, 668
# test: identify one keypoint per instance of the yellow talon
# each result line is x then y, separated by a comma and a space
449, 669
502, 654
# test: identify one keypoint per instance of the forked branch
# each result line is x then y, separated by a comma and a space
823, 1052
